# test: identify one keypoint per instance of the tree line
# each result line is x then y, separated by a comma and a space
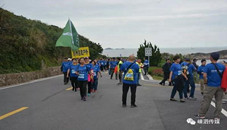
27, 44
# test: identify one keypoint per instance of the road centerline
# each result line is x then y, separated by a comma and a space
12, 113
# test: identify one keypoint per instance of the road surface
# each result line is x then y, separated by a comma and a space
50, 105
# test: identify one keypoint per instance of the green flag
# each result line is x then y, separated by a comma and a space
69, 37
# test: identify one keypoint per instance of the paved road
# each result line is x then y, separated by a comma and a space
52, 107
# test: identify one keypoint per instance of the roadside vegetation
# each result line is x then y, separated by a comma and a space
28, 45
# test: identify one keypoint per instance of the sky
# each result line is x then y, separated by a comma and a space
126, 23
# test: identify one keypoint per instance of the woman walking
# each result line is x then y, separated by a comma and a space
83, 72
177, 77
72, 74
95, 70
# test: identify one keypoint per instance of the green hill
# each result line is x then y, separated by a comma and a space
27, 45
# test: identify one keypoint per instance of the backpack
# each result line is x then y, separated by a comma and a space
129, 76
185, 68
224, 80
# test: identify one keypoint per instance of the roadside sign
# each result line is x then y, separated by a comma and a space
148, 52
82, 52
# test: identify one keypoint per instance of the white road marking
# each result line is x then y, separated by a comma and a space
223, 111
150, 77
141, 75
33, 81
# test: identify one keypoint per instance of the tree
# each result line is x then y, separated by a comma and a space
156, 57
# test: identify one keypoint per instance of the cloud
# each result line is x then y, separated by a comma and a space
121, 23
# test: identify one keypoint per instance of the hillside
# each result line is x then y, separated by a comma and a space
27, 45
223, 55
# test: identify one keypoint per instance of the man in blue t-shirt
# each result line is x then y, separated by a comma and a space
64, 68
212, 77
190, 68
130, 70
200, 72
113, 64
146, 66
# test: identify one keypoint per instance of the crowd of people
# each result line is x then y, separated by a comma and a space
213, 81
84, 74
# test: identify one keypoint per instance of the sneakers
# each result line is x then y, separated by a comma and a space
133, 105
182, 100
119, 83
124, 105
192, 99
172, 99
88, 94
199, 116
84, 98
139, 85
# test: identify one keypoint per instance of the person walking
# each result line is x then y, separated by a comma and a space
190, 68
200, 72
119, 72
113, 64
140, 70
90, 77
82, 72
177, 77
166, 70
212, 77
64, 68
131, 70
95, 71
146, 66
72, 74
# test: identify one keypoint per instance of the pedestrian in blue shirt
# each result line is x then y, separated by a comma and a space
130, 70
82, 72
146, 66
200, 72
177, 78
212, 77
72, 74
89, 65
64, 68
95, 71
190, 68
113, 64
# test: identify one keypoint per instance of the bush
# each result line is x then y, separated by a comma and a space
156, 57
155, 71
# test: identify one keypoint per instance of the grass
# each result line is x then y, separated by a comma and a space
157, 77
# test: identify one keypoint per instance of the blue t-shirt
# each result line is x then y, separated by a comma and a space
89, 65
65, 66
176, 69
113, 64
102, 62
200, 70
83, 72
191, 67
213, 78
146, 63
135, 69
73, 69
105, 62
95, 69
